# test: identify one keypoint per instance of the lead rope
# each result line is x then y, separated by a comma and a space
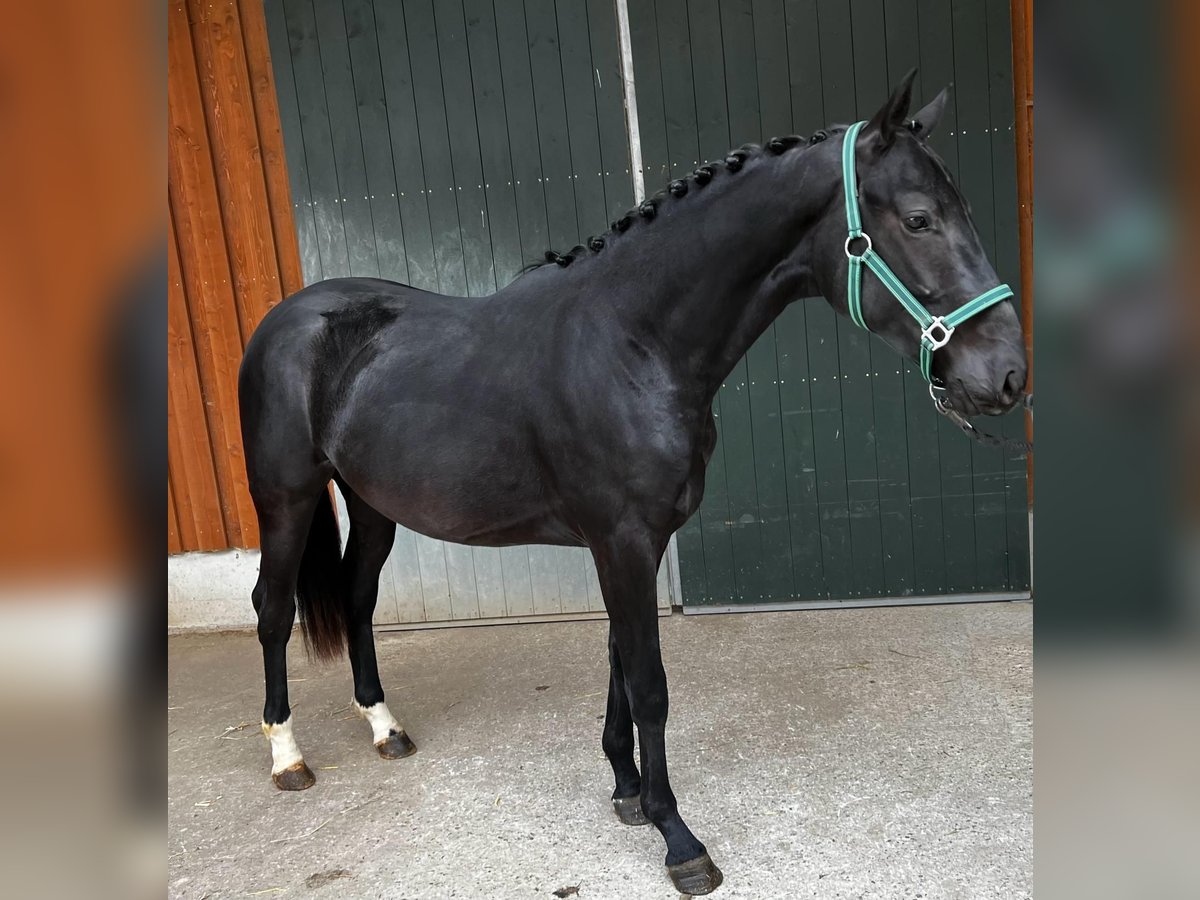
988, 440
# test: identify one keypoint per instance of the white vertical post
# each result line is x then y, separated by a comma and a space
631, 115
632, 132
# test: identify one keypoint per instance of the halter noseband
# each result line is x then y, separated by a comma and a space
935, 330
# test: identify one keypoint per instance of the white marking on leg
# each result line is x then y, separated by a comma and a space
284, 751
383, 723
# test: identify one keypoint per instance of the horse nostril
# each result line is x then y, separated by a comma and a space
1013, 385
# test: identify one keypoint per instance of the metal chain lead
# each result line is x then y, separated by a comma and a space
989, 440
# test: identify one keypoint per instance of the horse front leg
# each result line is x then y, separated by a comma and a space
626, 563
618, 743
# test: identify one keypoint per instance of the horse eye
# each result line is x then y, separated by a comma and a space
916, 223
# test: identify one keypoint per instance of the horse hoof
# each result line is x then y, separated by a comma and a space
396, 746
696, 876
629, 810
294, 778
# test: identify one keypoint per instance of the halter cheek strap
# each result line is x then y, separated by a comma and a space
935, 330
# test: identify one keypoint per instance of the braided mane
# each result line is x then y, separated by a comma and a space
733, 162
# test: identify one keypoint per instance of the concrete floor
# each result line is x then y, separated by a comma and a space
874, 753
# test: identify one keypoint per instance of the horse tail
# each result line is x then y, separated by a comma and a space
319, 585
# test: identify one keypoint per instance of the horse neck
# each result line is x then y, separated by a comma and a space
711, 272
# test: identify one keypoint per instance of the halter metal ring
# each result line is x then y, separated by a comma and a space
858, 237
927, 334
937, 393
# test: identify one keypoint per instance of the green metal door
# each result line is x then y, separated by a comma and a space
834, 479
444, 143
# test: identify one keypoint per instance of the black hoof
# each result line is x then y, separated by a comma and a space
294, 778
696, 876
396, 746
629, 810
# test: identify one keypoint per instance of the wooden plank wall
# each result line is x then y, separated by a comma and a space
834, 478
232, 254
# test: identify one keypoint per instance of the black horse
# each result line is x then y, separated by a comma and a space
574, 407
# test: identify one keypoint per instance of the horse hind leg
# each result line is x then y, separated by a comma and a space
367, 549
296, 531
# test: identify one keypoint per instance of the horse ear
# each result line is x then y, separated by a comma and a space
925, 120
893, 114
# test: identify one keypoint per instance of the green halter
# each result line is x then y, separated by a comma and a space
935, 330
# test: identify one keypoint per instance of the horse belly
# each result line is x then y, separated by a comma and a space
457, 478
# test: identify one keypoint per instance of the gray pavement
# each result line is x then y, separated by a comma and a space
872, 753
